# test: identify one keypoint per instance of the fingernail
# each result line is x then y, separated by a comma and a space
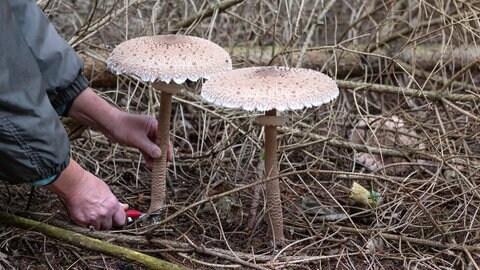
156, 153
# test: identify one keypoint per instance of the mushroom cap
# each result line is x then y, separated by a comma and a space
169, 58
267, 88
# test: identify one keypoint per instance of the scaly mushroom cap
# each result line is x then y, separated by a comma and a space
267, 88
169, 58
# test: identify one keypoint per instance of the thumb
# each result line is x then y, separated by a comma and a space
150, 148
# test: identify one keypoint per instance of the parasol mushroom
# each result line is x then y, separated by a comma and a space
269, 89
167, 61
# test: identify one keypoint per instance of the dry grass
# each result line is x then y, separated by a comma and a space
428, 217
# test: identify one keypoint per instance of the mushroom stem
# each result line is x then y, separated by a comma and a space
159, 171
274, 202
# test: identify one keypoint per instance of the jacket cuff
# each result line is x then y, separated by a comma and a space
45, 182
62, 100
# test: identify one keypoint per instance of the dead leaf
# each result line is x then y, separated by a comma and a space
375, 244
312, 207
380, 132
362, 196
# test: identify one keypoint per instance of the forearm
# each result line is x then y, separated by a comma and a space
69, 180
93, 111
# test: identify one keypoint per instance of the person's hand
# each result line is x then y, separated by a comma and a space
139, 131
88, 199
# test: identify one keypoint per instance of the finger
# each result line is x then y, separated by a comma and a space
119, 217
149, 163
109, 215
106, 223
81, 223
95, 224
124, 206
86, 222
148, 160
149, 148
153, 131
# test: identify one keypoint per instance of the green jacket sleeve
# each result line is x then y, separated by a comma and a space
59, 64
33, 142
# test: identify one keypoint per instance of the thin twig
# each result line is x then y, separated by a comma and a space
203, 14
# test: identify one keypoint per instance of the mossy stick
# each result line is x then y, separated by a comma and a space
86, 242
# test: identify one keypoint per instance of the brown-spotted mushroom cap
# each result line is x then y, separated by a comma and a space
169, 58
267, 88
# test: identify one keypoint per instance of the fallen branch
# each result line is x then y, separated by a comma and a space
86, 242
401, 238
237, 257
96, 71
204, 14
221, 253
353, 146
431, 95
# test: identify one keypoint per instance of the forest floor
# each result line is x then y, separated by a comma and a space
406, 127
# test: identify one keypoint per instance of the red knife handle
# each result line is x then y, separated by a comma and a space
131, 213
